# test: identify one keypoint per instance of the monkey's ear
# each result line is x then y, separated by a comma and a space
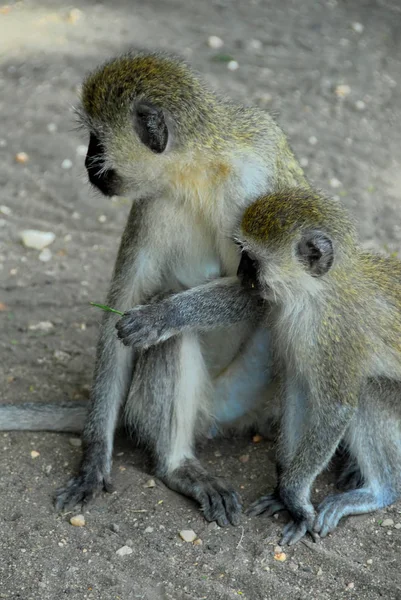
151, 126
315, 250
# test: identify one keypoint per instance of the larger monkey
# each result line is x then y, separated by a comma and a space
335, 318
191, 162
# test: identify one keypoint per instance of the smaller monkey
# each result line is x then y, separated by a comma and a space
335, 317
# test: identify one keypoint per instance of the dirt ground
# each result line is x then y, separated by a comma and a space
292, 57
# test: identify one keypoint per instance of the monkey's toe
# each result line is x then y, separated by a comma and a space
80, 489
269, 505
221, 504
330, 512
295, 531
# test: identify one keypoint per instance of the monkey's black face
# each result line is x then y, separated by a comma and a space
107, 182
248, 271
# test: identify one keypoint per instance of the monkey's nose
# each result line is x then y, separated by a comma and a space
248, 271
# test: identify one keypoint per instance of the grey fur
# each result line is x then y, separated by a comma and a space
68, 416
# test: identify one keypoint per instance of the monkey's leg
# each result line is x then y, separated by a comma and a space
374, 440
169, 401
293, 412
112, 375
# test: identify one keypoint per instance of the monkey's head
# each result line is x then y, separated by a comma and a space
141, 111
292, 242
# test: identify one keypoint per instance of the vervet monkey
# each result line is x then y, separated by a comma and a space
334, 312
191, 162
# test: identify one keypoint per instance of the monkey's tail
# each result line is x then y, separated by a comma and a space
69, 416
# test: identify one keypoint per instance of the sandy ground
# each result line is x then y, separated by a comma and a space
348, 138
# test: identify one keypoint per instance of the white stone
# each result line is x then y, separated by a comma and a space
51, 127
31, 238
5, 210
78, 521
41, 326
124, 551
45, 255
81, 150
387, 523
66, 164
232, 65
215, 42
358, 27
61, 356
312, 140
188, 535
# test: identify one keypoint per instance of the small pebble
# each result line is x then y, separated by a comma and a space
293, 566
45, 255
74, 15
387, 523
244, 458
215, 42
81, 150
66, 164
342, 90
335, 183
21, 158
369, 561
5, 210
102, 219
124, 551
75, 215
35, 454
319, 572
232, 65
397, 526
254, 45
41, 326
312, 140
51, 127
188, 535
151, 483
149, 530
31, 238
75, 442
114, 527
360, 105
350, 585
198, 542
280, 556
3, 222
78, 521
358, 27
61, 356
257, 438
48, 470
304, 162
277, 549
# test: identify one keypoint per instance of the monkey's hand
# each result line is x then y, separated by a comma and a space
302, 513
145, 325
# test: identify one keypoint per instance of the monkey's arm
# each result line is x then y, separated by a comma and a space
219, 303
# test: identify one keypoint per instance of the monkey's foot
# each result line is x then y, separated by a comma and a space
355, 502
82, 489
269, 504
143, 326
296, 530
218, 500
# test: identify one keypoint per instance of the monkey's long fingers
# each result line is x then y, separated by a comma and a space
140, 328
80, 489
221, 505
293, 532
269, 505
